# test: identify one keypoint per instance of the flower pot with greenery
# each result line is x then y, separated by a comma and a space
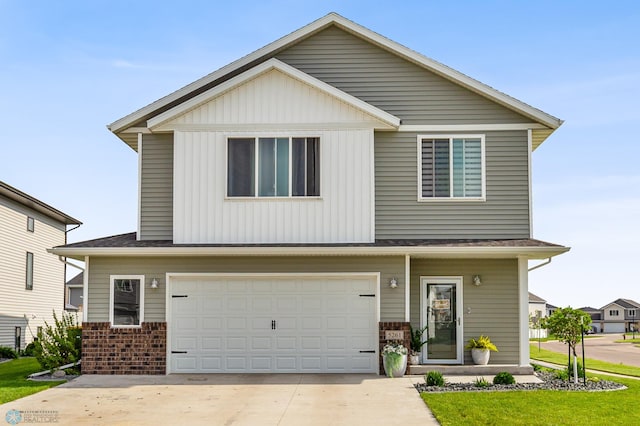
416, 344
481, 349
394, 359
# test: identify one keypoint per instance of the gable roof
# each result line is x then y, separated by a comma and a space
36, 205
624, 303
536, 299
549, 122
388, 121
77, 280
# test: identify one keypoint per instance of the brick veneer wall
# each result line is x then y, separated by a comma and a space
384, 326
107, 350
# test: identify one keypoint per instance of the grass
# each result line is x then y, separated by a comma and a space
628, 341
561, 359
13, 382
527, 407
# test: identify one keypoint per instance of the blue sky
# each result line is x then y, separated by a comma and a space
69, 68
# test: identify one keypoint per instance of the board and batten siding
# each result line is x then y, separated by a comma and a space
342, 213
391, 83
28, 309
156, 192
504, 213
490, 309
392, 302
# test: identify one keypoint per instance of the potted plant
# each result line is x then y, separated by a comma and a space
481, 349
394, 359
416, 344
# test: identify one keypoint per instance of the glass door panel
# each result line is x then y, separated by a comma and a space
440, 313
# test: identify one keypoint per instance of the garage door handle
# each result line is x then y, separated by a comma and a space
178, 352
367, 352
178, 295
367, 295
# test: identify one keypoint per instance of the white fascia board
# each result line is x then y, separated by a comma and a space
418, 252
468, 127
390, 120
360, 31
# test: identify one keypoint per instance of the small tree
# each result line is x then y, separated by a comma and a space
568, 324
59, 344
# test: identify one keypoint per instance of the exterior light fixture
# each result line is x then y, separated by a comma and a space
154, 283
393, 283
476, 280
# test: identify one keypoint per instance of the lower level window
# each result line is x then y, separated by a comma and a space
127, 296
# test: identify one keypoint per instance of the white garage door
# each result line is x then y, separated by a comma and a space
614, 327
273, 324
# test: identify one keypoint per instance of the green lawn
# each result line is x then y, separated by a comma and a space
561, 359
637, 340
13, 382
538, 407
543, 407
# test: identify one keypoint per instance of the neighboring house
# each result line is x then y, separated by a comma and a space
620, 316
596, 318
305, 203
537, 311
32, 279
73, 293
551, 309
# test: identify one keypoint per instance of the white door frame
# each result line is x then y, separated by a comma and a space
458, 282
171, 276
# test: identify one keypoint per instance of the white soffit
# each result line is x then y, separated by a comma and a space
360, 31
387, 121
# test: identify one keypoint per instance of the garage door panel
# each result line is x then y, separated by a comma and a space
321, 324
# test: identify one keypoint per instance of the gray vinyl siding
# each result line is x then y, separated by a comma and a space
391, 303
156, 203
504, 214
389, 82
490, 309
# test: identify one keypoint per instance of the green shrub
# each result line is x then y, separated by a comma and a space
29, 350
59, 344
580, 370
562, 374
8, 353
536, 367
481, 382
504, 378
434, 378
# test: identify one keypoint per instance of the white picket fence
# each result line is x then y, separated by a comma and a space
535, 333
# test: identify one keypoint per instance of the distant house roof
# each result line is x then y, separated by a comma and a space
35, 204
550, 306
536, 299
588, 309
625, 303
77, 280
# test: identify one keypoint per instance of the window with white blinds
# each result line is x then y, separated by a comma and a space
451, 167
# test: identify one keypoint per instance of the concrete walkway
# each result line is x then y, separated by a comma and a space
231, 399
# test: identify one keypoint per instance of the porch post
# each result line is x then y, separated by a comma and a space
523, 299
407, 287
85, 291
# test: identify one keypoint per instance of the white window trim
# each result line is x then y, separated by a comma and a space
483, 176
256, 137
112, 279
31, 224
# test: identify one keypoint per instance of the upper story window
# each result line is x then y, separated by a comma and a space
29, 276
273, 167
451, 167
31, 224
126, 302
632, 312
613, 312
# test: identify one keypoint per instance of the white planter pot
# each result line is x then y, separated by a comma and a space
480, 356
414, 359
396, 372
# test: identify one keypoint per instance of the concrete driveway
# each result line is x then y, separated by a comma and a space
230, 399
602, 348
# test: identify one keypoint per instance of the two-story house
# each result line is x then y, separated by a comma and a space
620, 316
304, 200
32, 282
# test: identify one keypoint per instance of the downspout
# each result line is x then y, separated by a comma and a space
541, 265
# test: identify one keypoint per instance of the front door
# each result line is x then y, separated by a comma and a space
441, 312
